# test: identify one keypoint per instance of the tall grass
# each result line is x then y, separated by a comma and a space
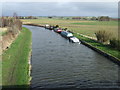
115, 43
106, 48
103, 36
13, 24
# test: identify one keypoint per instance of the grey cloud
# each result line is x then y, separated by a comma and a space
62, 9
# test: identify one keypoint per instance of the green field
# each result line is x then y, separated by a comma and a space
15, 61
84, 27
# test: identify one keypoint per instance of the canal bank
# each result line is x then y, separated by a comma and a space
57, 63
107, 51
104, 50
15, 66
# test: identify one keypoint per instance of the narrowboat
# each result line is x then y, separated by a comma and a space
47, 26
66, 34
58, 30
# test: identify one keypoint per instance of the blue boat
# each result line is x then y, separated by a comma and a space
66, 34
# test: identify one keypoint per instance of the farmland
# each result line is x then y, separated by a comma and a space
85, 27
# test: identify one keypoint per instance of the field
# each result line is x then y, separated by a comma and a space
15, 61
84, 27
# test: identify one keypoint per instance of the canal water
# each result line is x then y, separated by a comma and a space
58, 63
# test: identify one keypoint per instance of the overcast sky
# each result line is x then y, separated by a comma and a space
61, 8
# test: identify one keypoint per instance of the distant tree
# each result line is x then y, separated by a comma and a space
93, 18
62, 17
77, 18
50, 17
15, 15
30, 17
84, 18
67, 18
104, 18
22, 17
35, 18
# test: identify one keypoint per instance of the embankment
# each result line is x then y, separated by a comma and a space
7, 40
15, 66
105, 50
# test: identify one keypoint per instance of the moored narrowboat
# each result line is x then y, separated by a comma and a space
66, 34
58, 30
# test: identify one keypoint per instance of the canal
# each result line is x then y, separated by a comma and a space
58, 63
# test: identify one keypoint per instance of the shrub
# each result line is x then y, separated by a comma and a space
115, 43
13, 24
103, 36
104, 18
57, 26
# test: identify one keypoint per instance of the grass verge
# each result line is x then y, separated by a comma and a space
15, 61
105, 48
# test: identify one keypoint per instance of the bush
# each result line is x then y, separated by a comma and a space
57, 26
103, 36
115, 43
13, 24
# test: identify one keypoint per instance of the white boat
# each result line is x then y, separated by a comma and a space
47, 26
74, 39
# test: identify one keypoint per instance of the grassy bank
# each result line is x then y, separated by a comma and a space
106, 48
15, 61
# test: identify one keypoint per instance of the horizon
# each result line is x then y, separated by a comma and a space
58, 16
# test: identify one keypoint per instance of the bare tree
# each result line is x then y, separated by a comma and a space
15, 15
